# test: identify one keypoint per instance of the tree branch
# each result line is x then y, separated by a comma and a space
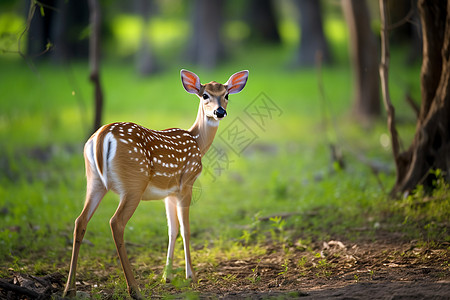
384, 76
18, 289
412, 104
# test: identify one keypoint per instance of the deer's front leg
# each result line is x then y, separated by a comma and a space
183, 217
173, 228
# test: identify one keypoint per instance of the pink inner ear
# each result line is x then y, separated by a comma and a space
190, 81
190, 77
233, 87
191, 87
237, 78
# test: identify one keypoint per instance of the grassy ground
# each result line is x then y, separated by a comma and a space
280, 189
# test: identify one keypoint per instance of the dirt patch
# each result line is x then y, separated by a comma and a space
332, 269
338, 270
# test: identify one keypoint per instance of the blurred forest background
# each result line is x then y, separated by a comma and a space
316, 159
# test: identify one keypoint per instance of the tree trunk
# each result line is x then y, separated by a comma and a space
262, 21
430, 148
406, 31
312, 38
70, 21
364, 58
205, 46
146, 63
94, 60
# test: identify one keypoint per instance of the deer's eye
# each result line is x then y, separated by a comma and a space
205, 96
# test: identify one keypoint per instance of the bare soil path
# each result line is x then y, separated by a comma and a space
385, 269
375, 270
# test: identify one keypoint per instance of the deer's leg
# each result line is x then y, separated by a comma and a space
183, 217
173, 227
128, 204
94, 194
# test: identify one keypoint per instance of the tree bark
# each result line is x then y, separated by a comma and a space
430, 148
263, 22
406, 29
205, 46
94, 60
312, 38
146, 63
68, 24
364, 59
61, 25
384, 75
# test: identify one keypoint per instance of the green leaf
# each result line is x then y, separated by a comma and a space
42, 10
48, 46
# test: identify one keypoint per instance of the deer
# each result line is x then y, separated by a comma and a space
142, 164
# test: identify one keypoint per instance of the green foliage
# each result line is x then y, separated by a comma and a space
428, 212
277, 230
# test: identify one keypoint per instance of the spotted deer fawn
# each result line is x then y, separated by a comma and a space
142, 164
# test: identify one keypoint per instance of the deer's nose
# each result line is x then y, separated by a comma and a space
220, 112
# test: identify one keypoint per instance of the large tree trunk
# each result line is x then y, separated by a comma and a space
61, 25
364, 59
405, 20
312, 38
262, 20
430, 148
146, 63
70, 21
205, 46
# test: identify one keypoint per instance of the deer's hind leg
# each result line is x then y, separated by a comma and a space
94, 194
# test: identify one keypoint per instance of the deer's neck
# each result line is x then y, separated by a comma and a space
204, 130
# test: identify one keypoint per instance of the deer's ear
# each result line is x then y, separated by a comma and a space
237, 82
191, 82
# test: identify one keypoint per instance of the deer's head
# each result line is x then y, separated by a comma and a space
214, 95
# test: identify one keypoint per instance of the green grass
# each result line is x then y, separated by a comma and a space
45, 118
